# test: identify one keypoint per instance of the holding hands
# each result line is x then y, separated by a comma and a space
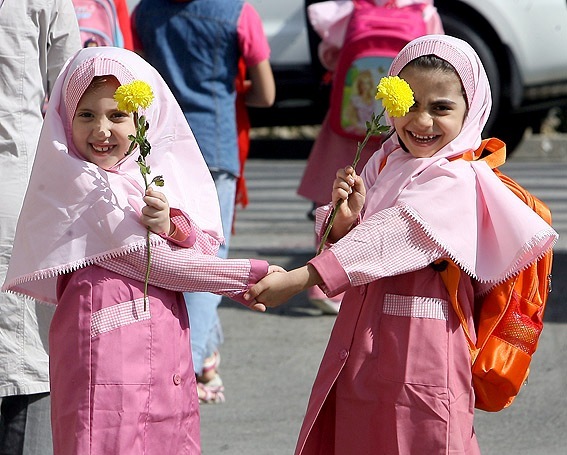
278, 287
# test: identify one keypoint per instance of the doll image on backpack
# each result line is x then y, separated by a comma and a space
396, 376
361, 102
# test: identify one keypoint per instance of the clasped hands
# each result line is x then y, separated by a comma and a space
278, 286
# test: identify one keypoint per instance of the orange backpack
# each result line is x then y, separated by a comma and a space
509, 319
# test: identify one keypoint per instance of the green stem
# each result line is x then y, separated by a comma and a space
148, 232
372, 128
148, 249
147, 269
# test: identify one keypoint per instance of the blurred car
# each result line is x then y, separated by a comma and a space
520, 42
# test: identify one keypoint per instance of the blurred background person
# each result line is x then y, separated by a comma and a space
37, 37
196, 46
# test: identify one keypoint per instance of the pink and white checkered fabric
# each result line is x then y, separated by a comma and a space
115, 316
412, 306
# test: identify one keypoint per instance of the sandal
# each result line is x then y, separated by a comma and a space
210, 368
211, 363
211, 392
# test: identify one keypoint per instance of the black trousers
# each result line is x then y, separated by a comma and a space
24, 425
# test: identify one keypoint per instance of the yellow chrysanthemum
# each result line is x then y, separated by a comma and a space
133, 96
396, 95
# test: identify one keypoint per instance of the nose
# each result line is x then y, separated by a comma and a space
423, 119
102, 128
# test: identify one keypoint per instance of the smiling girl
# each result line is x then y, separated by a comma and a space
396, 376
121, 373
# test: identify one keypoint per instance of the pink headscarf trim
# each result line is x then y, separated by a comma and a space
75, 213
463, 206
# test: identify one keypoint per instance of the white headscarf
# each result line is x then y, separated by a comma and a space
75, 213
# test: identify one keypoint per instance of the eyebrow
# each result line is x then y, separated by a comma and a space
444, 101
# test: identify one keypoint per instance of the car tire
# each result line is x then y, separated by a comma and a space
501, 123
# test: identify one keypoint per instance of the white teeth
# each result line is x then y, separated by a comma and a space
101, 149
422, 138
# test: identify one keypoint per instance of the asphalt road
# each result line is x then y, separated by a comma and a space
269, 360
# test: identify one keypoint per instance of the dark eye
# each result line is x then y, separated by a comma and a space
119, 115
443, 108
83, 114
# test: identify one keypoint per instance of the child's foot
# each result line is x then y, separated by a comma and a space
211, 392
327, 306
210, 368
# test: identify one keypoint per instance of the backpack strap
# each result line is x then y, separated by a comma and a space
492, 151
451, 275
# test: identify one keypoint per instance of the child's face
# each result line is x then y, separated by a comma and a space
438, 114
100, 130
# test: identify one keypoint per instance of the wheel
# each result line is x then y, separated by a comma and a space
501, 123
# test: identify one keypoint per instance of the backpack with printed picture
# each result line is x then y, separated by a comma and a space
374, 36
509, 318
98, 23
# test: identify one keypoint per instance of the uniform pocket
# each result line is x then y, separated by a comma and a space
413, 340
116, 316
121, 343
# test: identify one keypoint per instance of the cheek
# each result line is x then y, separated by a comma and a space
399, 124
78, 135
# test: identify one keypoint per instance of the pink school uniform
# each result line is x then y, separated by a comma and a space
332, 151
122, 379
396, 375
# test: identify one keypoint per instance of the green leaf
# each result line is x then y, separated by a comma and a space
158, 180
131, 148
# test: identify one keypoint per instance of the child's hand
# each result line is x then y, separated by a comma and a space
155, 215
275, 268
349, 187
260, 306
271, 291
278, 287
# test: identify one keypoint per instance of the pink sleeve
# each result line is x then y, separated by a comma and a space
188, 234
390, 242
252, 40
187, 269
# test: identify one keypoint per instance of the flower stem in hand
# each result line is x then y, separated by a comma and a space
397, 99
373, 128
130, 98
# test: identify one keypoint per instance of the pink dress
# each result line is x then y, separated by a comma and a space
395, 377
122, 378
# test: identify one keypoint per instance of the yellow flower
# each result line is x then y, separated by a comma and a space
396, 95
133, 96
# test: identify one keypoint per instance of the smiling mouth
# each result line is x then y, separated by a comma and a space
422, 139
102, 148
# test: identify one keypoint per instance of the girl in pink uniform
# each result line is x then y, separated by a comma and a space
396, 374
122, 379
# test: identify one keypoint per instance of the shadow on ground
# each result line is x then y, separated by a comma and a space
299, 306
556, 310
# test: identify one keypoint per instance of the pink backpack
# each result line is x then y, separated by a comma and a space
98, 23
374, 36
